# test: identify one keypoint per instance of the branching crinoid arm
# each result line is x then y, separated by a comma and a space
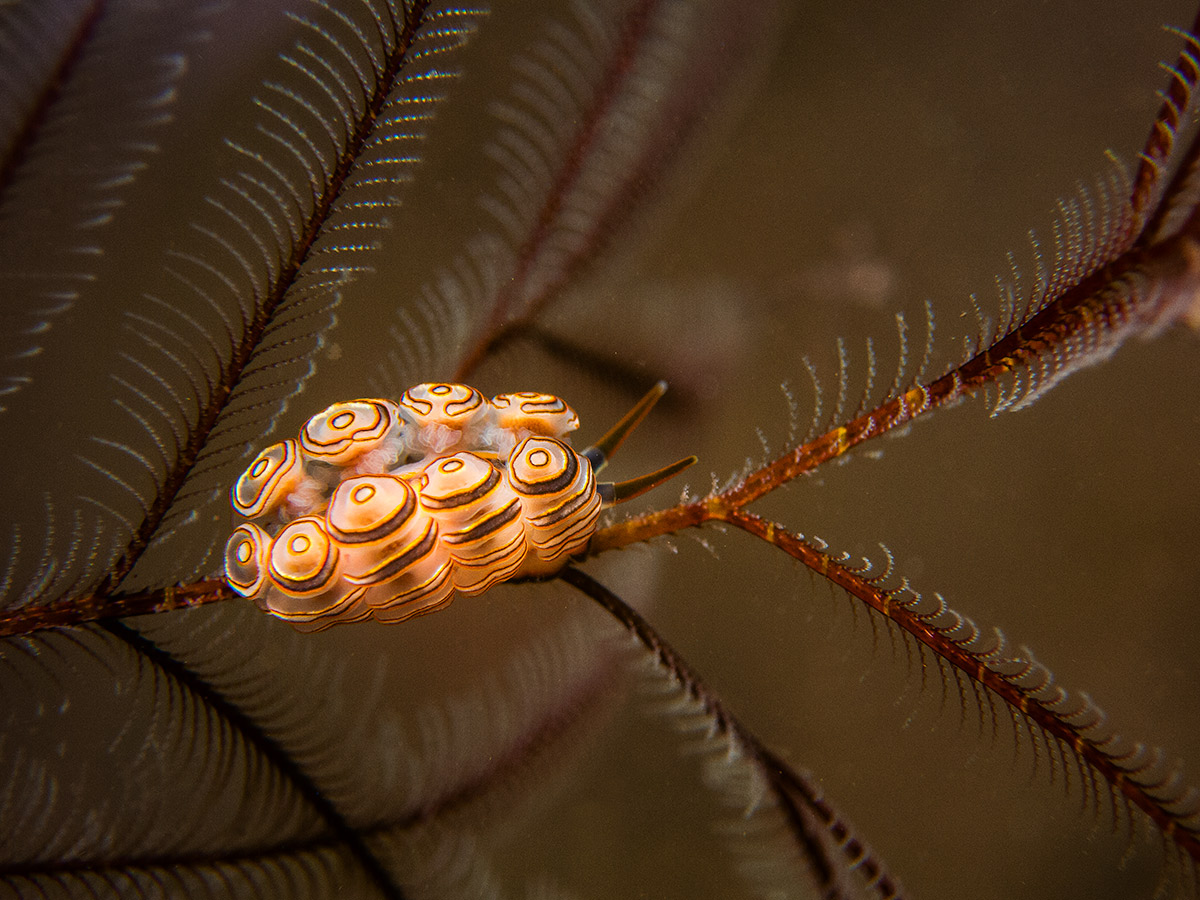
820, 833
223, 327
1150, 184
1133, 772
1139, 274
215, 338
1106, 289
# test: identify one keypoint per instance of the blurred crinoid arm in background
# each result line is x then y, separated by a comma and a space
214, 221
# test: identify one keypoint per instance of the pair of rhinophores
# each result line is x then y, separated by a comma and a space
383, 509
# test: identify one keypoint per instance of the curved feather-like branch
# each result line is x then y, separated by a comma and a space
378, 110
1027, 687
1151, 183
821, 835
169, 724
264, 745
229, 771
226, 330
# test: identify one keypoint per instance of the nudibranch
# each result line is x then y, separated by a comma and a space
386, 509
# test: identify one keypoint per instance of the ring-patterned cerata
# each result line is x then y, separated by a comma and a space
345, 431
478, 519
246, 559
385, 510
266, 484
559, 501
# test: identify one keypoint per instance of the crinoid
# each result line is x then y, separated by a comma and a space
221, 224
